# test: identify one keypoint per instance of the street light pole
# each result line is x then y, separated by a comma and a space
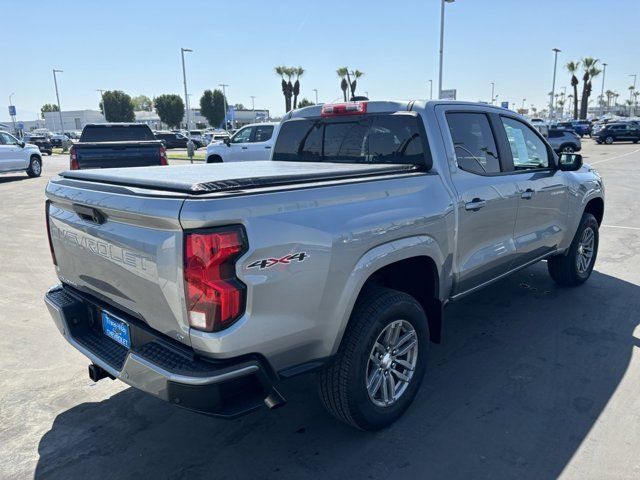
430, 89
55, 82
316, 90
184, 79
553, 86
493, 86
104, 106
523, 100
224, 95
604, 71
631, 94
441, 45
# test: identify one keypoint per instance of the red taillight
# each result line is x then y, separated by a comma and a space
336, 109
73, 159
46, 213
163, 155
215, 296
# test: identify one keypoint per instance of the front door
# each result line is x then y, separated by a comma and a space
11, 154
238, 149
542, 190
486, 200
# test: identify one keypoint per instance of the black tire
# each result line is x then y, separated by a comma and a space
564, 268
342, 383
608, 139
35, 167
567, 148
214, 159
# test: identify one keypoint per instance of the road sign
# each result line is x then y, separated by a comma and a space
12, 110
504, 105
448, 94
20, 126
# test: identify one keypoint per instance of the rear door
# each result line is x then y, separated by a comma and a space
260, 146
542, 191
122, 248
486, 199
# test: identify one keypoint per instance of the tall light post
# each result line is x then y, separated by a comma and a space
632, 110
493, 86
316, 90
13, 117
523, 100
564, 97
441, 45
104, 106
430, 89
604, 71
184, 80
253, 102
553, 86
55, 82
224, 95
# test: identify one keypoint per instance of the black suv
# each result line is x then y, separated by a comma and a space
619, 132
175, 140
40, 141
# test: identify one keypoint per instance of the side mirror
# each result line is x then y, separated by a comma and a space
227, 141
22, 144
570, 162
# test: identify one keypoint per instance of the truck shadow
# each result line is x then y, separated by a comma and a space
13, 177
525, 370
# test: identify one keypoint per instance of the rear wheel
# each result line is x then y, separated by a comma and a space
214, 159
608, 140
567, 149
35, 167
379, 366
576, 266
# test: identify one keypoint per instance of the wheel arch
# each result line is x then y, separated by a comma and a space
595, 207
214, 158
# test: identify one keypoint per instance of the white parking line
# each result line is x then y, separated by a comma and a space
620, 226
613, 158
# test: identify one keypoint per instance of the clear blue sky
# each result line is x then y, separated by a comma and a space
135, 46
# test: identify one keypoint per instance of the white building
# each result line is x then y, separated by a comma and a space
72, 120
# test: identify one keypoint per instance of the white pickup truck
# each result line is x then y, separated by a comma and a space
252, 142
16, 156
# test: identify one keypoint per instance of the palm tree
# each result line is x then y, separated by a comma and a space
298, 72
590, 71
356, 75
609, 95
573, 67
344, 85
281, 71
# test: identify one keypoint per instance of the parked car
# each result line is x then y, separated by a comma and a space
582, 127
565, 141
569, 126
16, 156
619, 132
197, 136
252, 142
210, 287
58, 138
41, 141
175, 140
113, 145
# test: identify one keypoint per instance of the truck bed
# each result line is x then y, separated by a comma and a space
221, 177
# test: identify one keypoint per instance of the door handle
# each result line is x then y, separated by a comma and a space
244, 148
268, 148
475, 204
527, 194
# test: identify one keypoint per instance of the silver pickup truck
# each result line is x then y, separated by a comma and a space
208, 285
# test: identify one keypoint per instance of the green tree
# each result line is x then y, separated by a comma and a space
142, 103
48, 107
117, 107
591, 70
305, 103
212, 107
170, 109
344, 85
573, 67
287, 86
354, 83
298, 72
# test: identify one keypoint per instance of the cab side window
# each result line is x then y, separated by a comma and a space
243, 136
6, 139
473, 142
263, 133
528, 151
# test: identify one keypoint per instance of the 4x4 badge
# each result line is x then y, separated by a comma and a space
286, 260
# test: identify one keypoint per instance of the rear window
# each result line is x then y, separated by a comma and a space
392, 138
116, 133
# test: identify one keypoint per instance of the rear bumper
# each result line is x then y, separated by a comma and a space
157, 366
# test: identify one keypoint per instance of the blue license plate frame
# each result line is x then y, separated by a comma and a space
116, 329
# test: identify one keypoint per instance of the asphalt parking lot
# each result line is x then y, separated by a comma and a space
532, 381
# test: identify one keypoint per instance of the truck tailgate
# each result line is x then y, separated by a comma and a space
117, 154
123, 249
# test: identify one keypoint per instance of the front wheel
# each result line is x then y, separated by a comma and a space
379, 366
576, 265
568, 149
35, 167
608, 140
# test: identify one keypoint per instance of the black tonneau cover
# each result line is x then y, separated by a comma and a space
221, 177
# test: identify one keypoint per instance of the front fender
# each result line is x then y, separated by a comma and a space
376, 258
